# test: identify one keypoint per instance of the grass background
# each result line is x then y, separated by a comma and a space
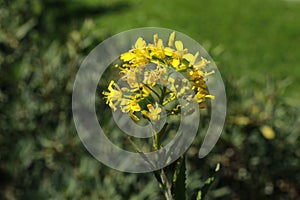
256, 39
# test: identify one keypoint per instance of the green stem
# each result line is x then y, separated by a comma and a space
153, 91
160, 175
155, 142
163, 93
167, 186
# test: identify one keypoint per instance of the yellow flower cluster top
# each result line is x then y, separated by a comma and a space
148, 79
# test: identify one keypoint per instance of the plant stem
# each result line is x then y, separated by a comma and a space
162, 179
161, 176
157, 95
166, 185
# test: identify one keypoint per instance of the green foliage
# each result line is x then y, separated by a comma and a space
259, 163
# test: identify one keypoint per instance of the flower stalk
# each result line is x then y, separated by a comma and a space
149, 81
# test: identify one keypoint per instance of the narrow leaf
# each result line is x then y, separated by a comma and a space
179, 180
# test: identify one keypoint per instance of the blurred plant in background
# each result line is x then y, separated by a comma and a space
41, 46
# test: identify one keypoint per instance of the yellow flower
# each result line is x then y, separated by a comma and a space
130, 106
202, 94
195, 75
157, 50
138, 56
191, 58
192, 61
183, 88
143, 83
179, 52
170, 97
114, 96
162, 73
154, 113
172, 84
201, 64
176, 55
150, 78
131, 76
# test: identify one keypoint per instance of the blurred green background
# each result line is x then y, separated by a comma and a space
255, 44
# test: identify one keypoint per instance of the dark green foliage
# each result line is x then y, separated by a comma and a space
253, 166
42, 44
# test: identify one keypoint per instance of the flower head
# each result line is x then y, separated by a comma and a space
147, 71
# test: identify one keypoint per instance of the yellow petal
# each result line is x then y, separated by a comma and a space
160, 44
210, 96
135, 107
175, 63
155, 39
168, 51
171, 39
110, 88
140, 43
158, 110
179, 45
188, 56
150, 107
127, 56
191, 58
112, 105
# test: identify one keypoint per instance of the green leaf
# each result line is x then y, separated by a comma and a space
179, 180
207, 184
25, 28
218, 167
199, 195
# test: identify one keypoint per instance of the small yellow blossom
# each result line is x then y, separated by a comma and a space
191, 58
150, 78
130, 75
130, 106
154, 112
114, 96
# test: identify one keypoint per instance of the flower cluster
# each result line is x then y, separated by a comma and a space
150, 78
